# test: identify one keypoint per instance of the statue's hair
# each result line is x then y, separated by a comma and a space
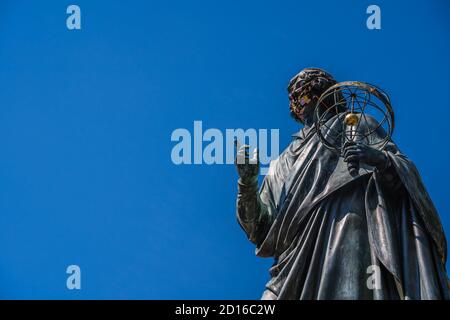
314, 78
313, 81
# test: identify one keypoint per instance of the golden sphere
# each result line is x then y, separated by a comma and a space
351, 119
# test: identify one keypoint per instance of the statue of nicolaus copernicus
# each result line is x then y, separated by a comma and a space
325, 228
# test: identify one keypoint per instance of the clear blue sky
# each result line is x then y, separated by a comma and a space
86, 116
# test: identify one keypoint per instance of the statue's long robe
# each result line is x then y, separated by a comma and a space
334, 236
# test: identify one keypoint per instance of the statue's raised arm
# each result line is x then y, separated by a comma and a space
252, 214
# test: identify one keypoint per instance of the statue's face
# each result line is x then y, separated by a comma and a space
302, 103
304, 92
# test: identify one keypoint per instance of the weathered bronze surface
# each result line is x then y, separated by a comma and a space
334, 235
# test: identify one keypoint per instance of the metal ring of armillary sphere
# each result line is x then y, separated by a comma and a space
354, 102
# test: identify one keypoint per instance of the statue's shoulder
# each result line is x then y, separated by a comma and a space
280, 168
368, 121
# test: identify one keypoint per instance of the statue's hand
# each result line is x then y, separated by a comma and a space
355, 152
247, 168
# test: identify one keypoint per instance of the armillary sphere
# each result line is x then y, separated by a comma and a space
363, 113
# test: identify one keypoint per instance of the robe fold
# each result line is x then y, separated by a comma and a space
334, 236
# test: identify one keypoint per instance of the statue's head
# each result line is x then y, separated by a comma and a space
304, 91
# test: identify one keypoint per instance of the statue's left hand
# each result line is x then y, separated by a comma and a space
356, 152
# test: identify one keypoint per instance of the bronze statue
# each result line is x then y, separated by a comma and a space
355, 224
